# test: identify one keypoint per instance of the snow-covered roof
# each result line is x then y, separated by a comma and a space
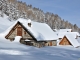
40, 31
63, 30
62, 34
78, 39
74, 34
72, 40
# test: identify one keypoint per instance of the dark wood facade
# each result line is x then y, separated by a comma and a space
65, 41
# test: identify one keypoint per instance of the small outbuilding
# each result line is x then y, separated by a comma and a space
69, 39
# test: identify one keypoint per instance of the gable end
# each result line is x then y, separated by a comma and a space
14, 27
65, 41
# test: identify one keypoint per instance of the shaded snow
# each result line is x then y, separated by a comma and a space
13, 51
78, 39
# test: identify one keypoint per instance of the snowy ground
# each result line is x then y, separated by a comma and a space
16, 51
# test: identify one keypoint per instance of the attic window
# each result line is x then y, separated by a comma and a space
29, 24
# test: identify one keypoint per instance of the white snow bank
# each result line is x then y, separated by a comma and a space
11, 52
17, 38
27, 40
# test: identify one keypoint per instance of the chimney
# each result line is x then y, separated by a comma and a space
29, 23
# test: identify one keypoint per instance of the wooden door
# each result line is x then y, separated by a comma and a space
50, 43
19, 31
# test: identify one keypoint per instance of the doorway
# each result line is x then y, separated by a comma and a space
19, 31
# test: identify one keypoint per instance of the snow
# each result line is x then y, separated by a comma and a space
10, 52
16, 51
63, 30
74, 34
4, 23
78, 39
62, 34
27, 40
29, 21
17, 38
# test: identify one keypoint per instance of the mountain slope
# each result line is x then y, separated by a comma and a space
4, 23
16, 51
18, 9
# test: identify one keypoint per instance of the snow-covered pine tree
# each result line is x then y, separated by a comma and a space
18, 9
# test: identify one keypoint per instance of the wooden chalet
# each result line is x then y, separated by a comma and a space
69, 39
19, 30
65, 41
29, 34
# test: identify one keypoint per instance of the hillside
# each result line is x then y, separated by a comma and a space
18, 9
16, 51
5, 23
9, 12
